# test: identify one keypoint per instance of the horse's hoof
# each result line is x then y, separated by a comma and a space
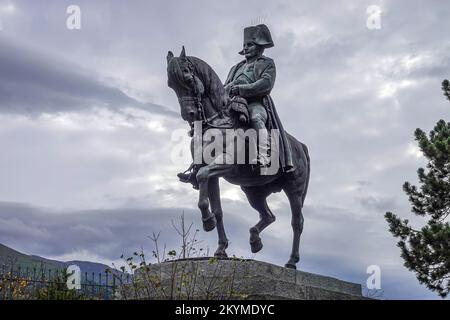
209, 223
256, 245
290, 266
255, 240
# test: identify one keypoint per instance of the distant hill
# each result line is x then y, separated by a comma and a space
12, 258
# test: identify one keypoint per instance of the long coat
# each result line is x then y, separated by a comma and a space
264, 75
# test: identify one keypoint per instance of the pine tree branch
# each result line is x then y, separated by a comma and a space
446, 88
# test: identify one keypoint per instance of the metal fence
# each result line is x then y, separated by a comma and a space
42, 283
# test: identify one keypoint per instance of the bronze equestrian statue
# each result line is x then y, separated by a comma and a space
241, 105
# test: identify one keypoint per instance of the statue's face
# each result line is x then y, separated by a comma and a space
252, 50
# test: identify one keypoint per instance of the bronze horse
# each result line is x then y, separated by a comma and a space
202, 97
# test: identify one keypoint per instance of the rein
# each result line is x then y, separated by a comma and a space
201, 111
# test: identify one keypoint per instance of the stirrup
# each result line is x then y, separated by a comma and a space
189, 177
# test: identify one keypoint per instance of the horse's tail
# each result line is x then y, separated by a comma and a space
308, 167
302, 160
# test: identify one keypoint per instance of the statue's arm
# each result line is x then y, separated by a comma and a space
228, 87
262, 86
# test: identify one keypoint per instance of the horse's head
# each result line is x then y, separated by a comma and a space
197, 86
187, 85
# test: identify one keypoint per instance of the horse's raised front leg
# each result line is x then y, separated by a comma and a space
216, 208
203, 176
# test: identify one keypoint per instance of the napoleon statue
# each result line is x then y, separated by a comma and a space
252, 79
242, 104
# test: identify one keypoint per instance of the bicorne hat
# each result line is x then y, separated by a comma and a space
259, 34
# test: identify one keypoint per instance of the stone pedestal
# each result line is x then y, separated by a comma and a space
208, 278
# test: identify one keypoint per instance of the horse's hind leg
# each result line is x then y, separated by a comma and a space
257, 198
216, 208
296, 202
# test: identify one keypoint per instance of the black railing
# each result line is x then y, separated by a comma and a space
42, 283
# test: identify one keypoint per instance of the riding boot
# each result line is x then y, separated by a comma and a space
263, 146
190, 177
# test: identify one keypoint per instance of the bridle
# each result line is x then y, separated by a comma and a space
197, 100
200, 110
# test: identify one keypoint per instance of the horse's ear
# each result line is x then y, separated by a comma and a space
183, 53
169, 56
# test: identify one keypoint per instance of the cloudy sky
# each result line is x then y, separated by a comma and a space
87, 124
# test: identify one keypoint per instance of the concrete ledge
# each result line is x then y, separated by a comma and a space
208, 278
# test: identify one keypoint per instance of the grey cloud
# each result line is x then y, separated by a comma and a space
107, 233
377, 204
33, 82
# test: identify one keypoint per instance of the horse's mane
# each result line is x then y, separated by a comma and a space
214, 88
